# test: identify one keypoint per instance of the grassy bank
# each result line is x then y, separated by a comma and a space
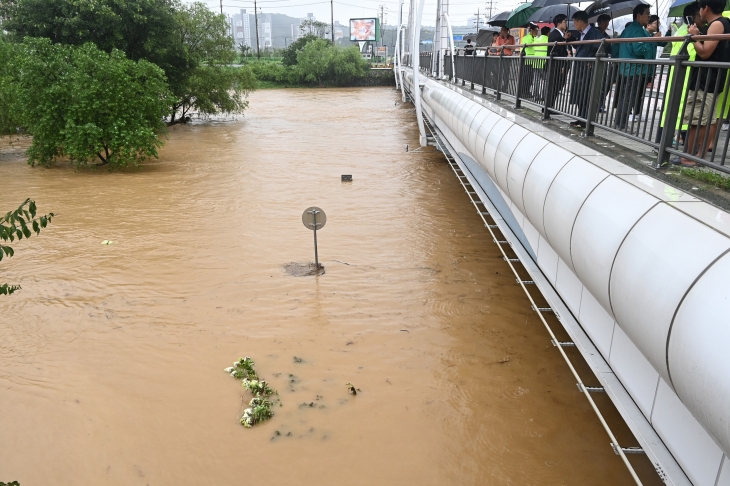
708, 177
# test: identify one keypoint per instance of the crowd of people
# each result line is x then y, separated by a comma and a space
704, 104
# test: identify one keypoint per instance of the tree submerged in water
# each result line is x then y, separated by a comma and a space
90, 106
96, 81
261, 405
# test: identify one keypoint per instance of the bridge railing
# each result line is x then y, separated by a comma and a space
674, 106
425, 60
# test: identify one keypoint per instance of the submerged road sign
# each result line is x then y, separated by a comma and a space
314, 218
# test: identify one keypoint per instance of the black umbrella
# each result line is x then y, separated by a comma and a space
499, 20
547, 14
549, 3
614, 8
486, 36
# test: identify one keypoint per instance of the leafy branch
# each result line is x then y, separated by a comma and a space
19, 224
260, 406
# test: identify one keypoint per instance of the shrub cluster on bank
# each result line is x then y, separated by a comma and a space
312, 61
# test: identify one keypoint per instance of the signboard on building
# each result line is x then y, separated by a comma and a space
381, 51
365, 29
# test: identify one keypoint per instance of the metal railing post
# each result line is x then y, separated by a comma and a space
673, 105
594, 96
484, 78
473, 66
463, 77
520, 69
550, 73
498, 94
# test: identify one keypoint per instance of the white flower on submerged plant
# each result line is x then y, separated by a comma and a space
229, 370
247, 419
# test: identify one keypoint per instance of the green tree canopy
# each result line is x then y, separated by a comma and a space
209, 85
143, 29
320, 62
188, 41
314, 61
314, 27
290, 53
88, 105
9, 116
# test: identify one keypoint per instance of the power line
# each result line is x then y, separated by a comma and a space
280, 6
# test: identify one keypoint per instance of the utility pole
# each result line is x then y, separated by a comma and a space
332, 20
221, 7
477, 21
256, 17
491, 4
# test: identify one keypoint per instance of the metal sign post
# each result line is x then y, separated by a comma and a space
314, 218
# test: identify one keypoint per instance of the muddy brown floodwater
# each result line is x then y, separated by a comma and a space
112, 356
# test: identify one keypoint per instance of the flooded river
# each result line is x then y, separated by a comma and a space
112, 356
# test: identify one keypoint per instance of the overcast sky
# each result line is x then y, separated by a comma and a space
459, 10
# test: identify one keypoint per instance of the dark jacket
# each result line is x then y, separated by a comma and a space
588, 50
557, 51
635, 50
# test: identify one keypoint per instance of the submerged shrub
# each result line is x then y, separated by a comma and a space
260, 407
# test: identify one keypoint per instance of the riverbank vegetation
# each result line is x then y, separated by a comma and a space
98, 80
313, 61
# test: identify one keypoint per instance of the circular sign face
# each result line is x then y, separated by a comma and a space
310, 214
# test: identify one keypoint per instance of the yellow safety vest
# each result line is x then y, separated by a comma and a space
529, 50
541, 50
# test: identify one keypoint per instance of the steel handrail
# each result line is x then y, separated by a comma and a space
616, 40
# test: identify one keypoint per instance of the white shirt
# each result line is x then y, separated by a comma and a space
583, 34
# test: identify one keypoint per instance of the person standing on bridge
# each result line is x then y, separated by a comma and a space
528, 68
559, 34
469, 49
700, 109
632, 77
602, 25
583, 72
503, 39
539, 71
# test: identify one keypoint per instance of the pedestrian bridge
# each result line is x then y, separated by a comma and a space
635, 270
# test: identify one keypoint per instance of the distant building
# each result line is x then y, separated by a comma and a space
241, 28
265, 29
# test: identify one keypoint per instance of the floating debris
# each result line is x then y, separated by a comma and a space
260, 407
298, 360
351, 388
107, 242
